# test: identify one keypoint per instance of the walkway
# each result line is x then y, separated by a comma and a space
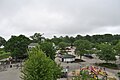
10, 74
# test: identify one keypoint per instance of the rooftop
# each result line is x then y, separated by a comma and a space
68, 56
33, 44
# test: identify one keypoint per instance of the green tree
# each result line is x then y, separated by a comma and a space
17, 45
49, 49
37, 38
56, 40
107, 37
87, 37
78, 37
117, 48
82, 47
63, 45
72, 40
66, 39
2, 41
40, 67
106, 52
97, 38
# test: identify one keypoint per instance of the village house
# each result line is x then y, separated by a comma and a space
32, 45
67, 58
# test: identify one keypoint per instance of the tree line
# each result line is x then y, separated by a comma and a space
113, 39
106, 43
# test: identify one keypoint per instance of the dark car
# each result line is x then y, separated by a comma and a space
88, 55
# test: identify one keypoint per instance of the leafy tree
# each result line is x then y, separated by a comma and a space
63, 45
106, 52
48, 49
37, 38
97, 38
40, 67
114, 42
56, 40
17, 45
66, 39
72, 40
2, 41
87, 37
116, 37
82, 47
78, 37
117, 48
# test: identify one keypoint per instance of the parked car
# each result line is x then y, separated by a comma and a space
88, 55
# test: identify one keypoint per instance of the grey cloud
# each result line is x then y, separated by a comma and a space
59, 16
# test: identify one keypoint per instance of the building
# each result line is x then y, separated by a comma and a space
32, 45
67, 58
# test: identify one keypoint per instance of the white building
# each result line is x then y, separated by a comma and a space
67, 58
32, 45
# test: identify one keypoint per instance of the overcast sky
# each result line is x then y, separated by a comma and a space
59, 17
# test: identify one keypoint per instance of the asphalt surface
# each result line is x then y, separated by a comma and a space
10, 74
14, 74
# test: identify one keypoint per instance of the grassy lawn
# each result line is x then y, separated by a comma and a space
108, 65
3, 54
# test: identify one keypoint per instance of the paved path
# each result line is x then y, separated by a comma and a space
10, 74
